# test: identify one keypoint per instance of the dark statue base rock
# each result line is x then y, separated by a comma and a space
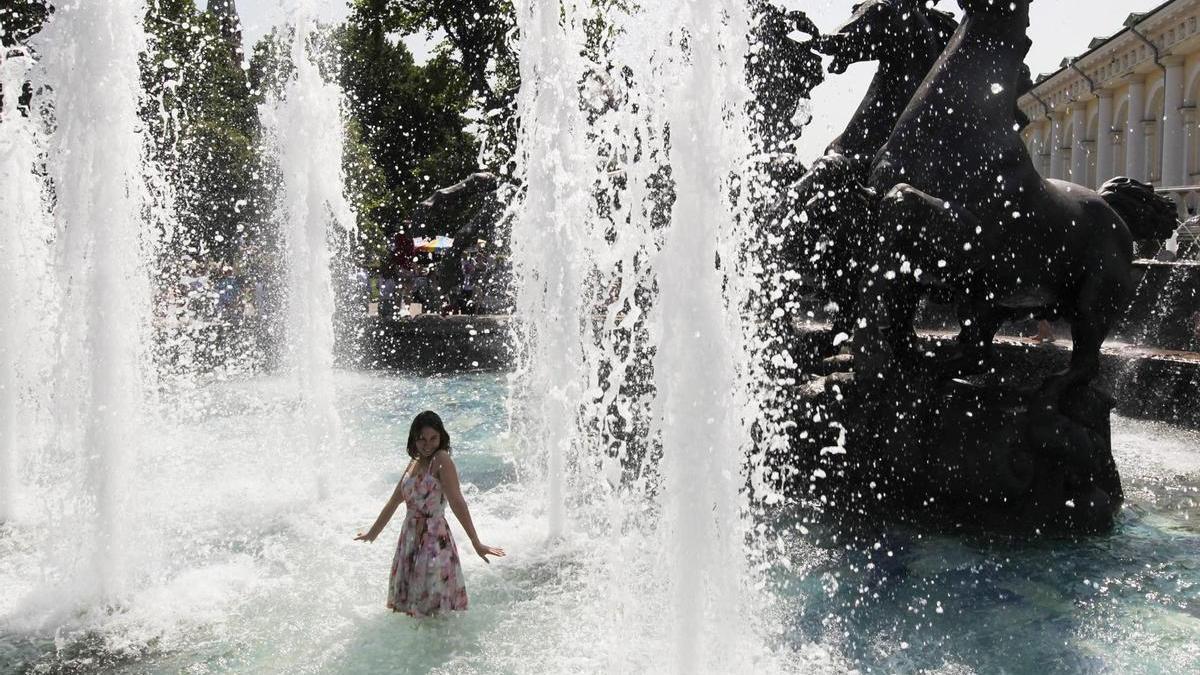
1006, 464
981, 454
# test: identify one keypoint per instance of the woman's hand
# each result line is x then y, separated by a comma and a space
484, 551
365, 536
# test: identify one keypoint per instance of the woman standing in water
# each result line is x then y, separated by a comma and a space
426, 575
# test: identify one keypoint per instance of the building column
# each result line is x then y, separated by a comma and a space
1079, 151
1104, 140
1152, 133
1120, 141
1191, 138
1058, 166
1172, 129
1135, 136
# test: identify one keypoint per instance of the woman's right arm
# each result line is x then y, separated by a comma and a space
384, 516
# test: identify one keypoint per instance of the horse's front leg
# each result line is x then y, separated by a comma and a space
891, 291
1090, 323
934, 236
978, 326
937, 238
1101, 299
831, 240
1086, 337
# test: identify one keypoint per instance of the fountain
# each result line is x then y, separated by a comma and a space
89, 61
683, 481
550, 278
312, 201
24, 267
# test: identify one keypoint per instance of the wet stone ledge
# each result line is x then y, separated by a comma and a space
1148, 383
428, 344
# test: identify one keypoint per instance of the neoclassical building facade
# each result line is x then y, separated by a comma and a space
1128, 106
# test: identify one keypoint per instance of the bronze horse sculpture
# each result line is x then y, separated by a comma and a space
964, 206
780, 71
905, 37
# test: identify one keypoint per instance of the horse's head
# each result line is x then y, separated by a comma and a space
878, 30
998, 8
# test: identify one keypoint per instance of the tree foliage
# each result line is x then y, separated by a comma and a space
20, 19
202, 116
478, 36
410, 128
479, 31
410, 119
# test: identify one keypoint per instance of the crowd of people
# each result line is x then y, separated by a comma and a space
445, 281
408, 282
216, 292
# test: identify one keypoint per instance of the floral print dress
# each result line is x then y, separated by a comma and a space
426, 575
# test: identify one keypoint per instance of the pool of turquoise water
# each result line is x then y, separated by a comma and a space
241, 568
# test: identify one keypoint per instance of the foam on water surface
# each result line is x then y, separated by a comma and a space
251, 573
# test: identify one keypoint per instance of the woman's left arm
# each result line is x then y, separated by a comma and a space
447, 474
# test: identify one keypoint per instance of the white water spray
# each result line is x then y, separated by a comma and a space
653, 132
306, 124
24, 262
554, 216
90, 56
701, 432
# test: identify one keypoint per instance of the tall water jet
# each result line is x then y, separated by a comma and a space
90, 54
626, 211
24, 253
554, 212
694, 365
305, 122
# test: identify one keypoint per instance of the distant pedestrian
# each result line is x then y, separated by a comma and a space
229, 295
387, 297
1045, 333
470, 279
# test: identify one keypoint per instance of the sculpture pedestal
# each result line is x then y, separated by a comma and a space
995, 460
969, 455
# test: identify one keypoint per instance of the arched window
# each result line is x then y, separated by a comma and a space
1045, 136
1154, 123
1030, 135
1092, 144
1036, 137
1191, 133
1068, 145
1120, 143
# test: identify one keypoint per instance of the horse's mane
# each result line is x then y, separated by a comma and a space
1148, 214
943, 23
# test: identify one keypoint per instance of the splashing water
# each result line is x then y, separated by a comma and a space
312, 201
625, 215
550, 273
24, 277
90, 62
700, 436
631, 414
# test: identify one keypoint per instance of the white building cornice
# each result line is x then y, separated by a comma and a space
1173, 28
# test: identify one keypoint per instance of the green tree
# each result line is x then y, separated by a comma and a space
479, 31
19, 21
408, 129
477, 37
410, 119
204, 122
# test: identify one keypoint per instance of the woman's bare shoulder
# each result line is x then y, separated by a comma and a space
440, 459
